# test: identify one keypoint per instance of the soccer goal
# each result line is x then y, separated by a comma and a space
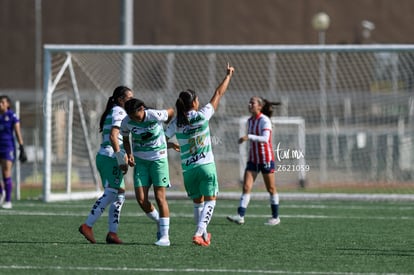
357, 102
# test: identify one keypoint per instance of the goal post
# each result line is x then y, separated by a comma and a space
51, 83
356, 102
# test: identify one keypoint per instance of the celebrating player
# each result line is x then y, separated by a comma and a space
191, 128
111, 164
148, 155
261, 159
9, 123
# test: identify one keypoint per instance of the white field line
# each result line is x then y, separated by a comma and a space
344, 206
301, 196
190, 215
180, 270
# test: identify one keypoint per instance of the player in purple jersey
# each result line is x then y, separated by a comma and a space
9, 124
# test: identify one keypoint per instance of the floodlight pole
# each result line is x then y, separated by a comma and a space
127, 38
320, 22
38, 82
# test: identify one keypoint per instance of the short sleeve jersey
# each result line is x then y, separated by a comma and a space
148, 138
194, 139
260, 152
7, 122
113, 119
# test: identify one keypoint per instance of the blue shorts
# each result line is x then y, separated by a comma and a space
8, 154
265, 168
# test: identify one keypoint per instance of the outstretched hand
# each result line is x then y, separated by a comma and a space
230, 69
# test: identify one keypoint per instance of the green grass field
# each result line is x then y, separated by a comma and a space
314, 237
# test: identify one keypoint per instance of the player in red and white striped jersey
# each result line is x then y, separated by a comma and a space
261, 159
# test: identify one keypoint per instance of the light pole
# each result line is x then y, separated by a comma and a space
320, 23
127, 39
367, 28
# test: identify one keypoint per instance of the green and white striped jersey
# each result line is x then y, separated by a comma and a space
194, 139
113, 119
148, 138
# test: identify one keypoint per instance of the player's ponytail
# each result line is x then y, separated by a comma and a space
267, 107
184, 104
113, 100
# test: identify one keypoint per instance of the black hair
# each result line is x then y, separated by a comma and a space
267, 106
132, 105
118, 93
184, 104
7, 99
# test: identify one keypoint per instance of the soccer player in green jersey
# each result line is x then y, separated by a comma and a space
191, 128
111, 164
148, 154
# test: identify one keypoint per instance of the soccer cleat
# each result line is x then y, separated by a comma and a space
87, 232
201, 241
236, 219
163, 241
273, 221
112, 238
158, 235
207, 238
7, 205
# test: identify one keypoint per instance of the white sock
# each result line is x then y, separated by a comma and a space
164, 227
274, 199
98, 208
155, 216
244, 200
206, 216
198, 207
115, 213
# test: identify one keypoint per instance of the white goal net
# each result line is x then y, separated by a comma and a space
357, 103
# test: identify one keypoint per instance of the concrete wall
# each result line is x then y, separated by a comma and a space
189, 22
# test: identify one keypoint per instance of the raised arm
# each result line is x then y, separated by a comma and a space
221, 89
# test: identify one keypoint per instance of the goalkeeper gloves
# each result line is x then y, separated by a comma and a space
22, 155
